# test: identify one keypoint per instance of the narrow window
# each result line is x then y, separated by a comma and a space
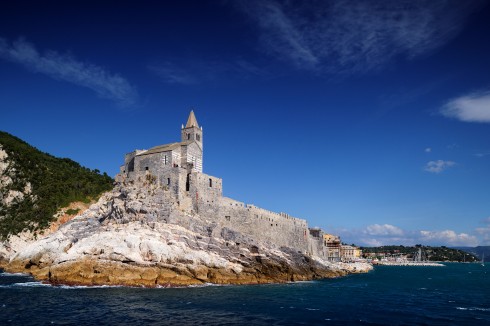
165, 160
198, 137
210, 182
168, 181
188, 136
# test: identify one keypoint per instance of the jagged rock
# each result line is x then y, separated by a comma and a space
126, 239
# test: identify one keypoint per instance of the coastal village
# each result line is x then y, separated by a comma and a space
167, 223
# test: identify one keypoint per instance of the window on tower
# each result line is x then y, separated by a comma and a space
188, 136
198, 137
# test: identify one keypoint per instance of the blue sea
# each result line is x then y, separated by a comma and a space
457, 294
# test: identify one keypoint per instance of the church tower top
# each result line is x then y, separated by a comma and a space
192, 131
192, 121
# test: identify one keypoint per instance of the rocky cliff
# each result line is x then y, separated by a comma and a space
122, 239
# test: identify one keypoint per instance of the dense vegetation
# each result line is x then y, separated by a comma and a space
55, 182
432, 253
480, 251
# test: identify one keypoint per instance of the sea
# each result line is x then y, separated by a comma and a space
456, 294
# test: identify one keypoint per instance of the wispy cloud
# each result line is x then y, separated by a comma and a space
172, 74
201, 71
67, 68
474, 107
484, 231
428, 150
438, 166
280, 33
482, 154
353, 36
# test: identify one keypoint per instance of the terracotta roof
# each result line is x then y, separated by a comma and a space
192, 121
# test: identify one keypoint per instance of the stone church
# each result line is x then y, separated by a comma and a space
186, 154
176, 169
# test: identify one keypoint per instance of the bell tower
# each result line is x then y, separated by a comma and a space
192, 131
192, 153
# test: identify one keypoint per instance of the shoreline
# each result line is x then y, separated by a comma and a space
117, 274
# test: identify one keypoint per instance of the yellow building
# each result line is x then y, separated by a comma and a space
332, 244
348, 253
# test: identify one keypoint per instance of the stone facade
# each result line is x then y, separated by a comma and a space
177, 167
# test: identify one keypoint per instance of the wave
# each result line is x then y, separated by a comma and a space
31, 284
73, 287
66, 287
5, 274
473, 308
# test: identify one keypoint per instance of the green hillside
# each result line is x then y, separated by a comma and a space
432, 253
47, 183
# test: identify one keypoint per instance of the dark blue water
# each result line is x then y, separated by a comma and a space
457, 294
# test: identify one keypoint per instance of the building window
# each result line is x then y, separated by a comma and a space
168, 181
146, 168
210, 182
188, 136
198, 137
165, 159
227, 217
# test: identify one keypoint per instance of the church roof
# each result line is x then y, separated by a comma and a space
192, 121
164, 148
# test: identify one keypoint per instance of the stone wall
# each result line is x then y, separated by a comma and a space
200, 194
156, 163
259, 224
316, 245
192, 154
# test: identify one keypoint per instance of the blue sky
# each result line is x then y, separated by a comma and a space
370, 119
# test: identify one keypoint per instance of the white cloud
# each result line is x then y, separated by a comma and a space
354, 36
370, 242
438, 166
474, 107
385, 229
67, 68
448, 237
385, 234
428, 150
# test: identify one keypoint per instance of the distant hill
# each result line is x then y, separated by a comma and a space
477, 251
432, 253
34, 185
